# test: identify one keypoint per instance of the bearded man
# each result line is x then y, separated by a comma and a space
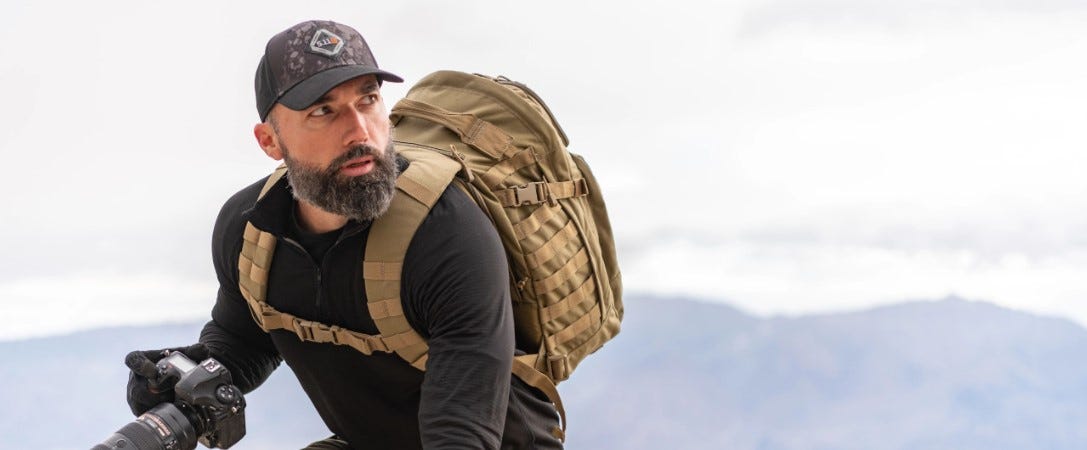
318, 92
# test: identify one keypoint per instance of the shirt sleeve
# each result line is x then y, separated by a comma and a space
456, 288
232, 336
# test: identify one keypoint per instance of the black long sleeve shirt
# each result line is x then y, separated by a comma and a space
455, 294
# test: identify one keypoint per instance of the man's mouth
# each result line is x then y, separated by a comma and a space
358, 166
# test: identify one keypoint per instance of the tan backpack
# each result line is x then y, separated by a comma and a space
498, 142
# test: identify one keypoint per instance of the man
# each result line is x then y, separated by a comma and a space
322, 113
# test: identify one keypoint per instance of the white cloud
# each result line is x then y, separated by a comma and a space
50, 305
801, 278
823, 154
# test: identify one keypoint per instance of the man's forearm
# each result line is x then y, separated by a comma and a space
249, 364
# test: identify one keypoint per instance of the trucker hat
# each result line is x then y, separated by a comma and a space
305, 61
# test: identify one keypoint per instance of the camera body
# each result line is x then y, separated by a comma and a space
207, 408
206, 395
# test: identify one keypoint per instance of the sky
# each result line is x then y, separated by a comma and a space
783, 156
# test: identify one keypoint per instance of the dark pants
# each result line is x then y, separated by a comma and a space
331, 443
530, 413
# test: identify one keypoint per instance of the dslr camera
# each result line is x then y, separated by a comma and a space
207, 408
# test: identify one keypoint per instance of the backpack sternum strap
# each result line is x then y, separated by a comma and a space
418, 188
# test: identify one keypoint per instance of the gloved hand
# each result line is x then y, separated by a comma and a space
145, 385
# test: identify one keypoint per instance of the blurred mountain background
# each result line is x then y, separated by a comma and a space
683, 374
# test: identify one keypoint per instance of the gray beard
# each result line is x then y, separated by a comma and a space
362, 198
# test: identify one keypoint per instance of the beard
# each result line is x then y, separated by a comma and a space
362, 197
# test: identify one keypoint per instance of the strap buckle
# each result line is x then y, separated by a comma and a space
531, 194
314, 331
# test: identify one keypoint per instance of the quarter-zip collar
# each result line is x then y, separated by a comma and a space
272, 213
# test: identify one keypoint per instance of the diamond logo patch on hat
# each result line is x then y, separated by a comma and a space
326, 43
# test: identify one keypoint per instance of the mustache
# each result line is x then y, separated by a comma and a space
357, 151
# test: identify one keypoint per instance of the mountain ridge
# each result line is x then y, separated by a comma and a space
683, 373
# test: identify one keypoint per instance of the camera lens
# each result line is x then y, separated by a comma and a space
164, 427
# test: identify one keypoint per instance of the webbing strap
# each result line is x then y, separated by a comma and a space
579, 326
418, 188
311, 331
540, 191
548, 250
523, 369
472, 130
385, 308
378, 270
581, 295
533, 222
274, 178
498, 173
562, 275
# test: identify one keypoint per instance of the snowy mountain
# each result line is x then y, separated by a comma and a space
683, 374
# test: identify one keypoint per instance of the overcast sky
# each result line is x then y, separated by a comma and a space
787, 156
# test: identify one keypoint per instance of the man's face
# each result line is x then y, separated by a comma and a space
338, 152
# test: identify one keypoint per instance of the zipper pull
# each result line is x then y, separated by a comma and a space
463, 163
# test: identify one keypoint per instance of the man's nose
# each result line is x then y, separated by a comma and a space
357, 131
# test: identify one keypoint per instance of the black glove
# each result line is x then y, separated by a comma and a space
146, 388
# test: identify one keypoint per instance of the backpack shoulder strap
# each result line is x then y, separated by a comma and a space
419, 187
258, 247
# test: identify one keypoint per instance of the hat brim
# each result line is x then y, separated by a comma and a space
308, 91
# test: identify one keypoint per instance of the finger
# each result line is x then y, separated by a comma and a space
197, 352
139, 364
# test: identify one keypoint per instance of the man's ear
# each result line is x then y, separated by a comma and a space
266, 139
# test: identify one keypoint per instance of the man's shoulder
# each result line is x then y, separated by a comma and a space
234, 211
226, 237
455, 210
456, 227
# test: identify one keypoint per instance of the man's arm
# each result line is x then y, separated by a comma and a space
456, 287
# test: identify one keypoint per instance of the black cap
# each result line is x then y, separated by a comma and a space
307, 60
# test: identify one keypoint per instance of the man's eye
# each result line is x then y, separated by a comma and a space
369, 99
320, 111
